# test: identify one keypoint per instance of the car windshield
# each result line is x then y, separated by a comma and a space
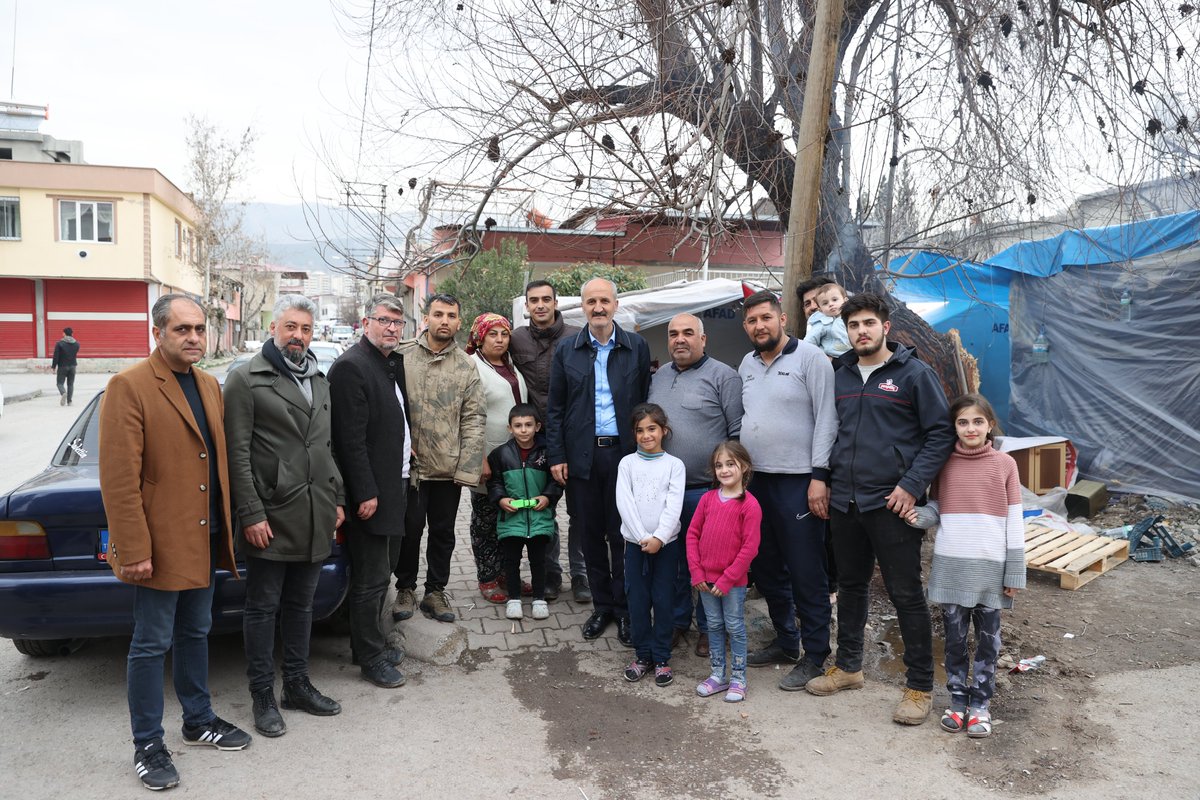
82, 443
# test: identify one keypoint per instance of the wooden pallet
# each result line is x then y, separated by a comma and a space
1075, 557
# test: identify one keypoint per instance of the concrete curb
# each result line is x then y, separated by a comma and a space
428, 640
22, 397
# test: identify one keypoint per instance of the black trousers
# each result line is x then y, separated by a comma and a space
592, 504
437, 503
859, 539
66, 382
512, 547
371, 560
280, 590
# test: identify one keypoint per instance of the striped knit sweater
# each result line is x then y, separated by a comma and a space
980, 544
723, 539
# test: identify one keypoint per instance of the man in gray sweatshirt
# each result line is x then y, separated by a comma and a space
703, 401
789, 427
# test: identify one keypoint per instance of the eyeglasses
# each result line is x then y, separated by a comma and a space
388, 323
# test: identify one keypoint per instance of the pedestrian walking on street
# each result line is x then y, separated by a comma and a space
288, 499
978, 558
722, 541
373, 443
164, 480
66, 358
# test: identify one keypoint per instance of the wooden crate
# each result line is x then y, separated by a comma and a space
1042, 468
1075, 557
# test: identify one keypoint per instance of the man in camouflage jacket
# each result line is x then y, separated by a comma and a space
448, 414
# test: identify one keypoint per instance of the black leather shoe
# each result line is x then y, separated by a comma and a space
267, 719
596, 624
624, 632
383, 674
300, 694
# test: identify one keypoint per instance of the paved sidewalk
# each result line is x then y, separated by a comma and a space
485, 623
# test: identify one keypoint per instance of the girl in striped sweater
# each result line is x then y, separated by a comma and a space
722, 540
978, 558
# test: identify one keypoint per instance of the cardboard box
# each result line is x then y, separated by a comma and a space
1086, 499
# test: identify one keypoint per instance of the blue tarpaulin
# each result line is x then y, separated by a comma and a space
1122, 389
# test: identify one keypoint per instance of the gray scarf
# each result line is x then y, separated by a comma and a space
303, 373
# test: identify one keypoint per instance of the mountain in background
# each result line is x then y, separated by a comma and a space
291, 243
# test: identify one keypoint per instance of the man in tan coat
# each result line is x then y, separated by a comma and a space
165, 483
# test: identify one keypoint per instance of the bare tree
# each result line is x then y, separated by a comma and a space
690, 107
225, 252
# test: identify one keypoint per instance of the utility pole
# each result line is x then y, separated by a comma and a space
810, 155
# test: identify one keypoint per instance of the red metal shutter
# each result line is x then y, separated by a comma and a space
18, 331
110, 318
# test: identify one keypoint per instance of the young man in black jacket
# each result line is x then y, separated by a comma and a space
894, 435
66, 356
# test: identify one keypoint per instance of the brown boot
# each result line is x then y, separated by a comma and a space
913, 708
833, 681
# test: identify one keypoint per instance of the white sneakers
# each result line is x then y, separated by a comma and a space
512, 609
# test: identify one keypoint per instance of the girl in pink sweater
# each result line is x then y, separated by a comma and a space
721, 542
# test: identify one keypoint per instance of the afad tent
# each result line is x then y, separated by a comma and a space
1118, 308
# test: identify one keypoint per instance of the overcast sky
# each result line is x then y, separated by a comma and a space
122, 77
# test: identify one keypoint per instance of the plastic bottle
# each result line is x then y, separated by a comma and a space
1026, 664
1126, 306
1041, 347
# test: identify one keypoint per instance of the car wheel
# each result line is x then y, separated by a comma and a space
46, 648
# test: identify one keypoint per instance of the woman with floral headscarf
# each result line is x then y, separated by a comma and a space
503, 388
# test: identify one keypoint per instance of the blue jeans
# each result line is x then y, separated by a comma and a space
650, 591
179, 622
683, 584
977, 691
727, 615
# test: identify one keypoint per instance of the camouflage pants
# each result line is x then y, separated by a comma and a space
978, 691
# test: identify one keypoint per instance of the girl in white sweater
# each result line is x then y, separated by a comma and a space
649, 497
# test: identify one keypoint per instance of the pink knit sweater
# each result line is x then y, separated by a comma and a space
723, 539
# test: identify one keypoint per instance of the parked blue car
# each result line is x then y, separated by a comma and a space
56, 588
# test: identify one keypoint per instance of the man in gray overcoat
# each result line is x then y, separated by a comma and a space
287, 494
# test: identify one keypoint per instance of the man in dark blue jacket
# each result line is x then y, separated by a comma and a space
597, 377
894, 435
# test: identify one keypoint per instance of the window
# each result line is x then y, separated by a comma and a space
178, 239
10, 218
6, 154
85, 221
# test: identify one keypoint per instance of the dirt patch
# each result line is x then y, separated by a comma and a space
621, 736
1135, 617
36, 676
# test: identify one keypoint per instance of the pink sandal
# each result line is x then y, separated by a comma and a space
711, 686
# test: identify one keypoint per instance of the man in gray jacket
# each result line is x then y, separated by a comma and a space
789, 428
287, 495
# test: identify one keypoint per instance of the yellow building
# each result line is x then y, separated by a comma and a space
89, 247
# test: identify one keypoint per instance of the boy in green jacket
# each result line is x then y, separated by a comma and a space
521, 485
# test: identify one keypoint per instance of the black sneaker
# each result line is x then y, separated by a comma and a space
153, 765
772, 654
217, 733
